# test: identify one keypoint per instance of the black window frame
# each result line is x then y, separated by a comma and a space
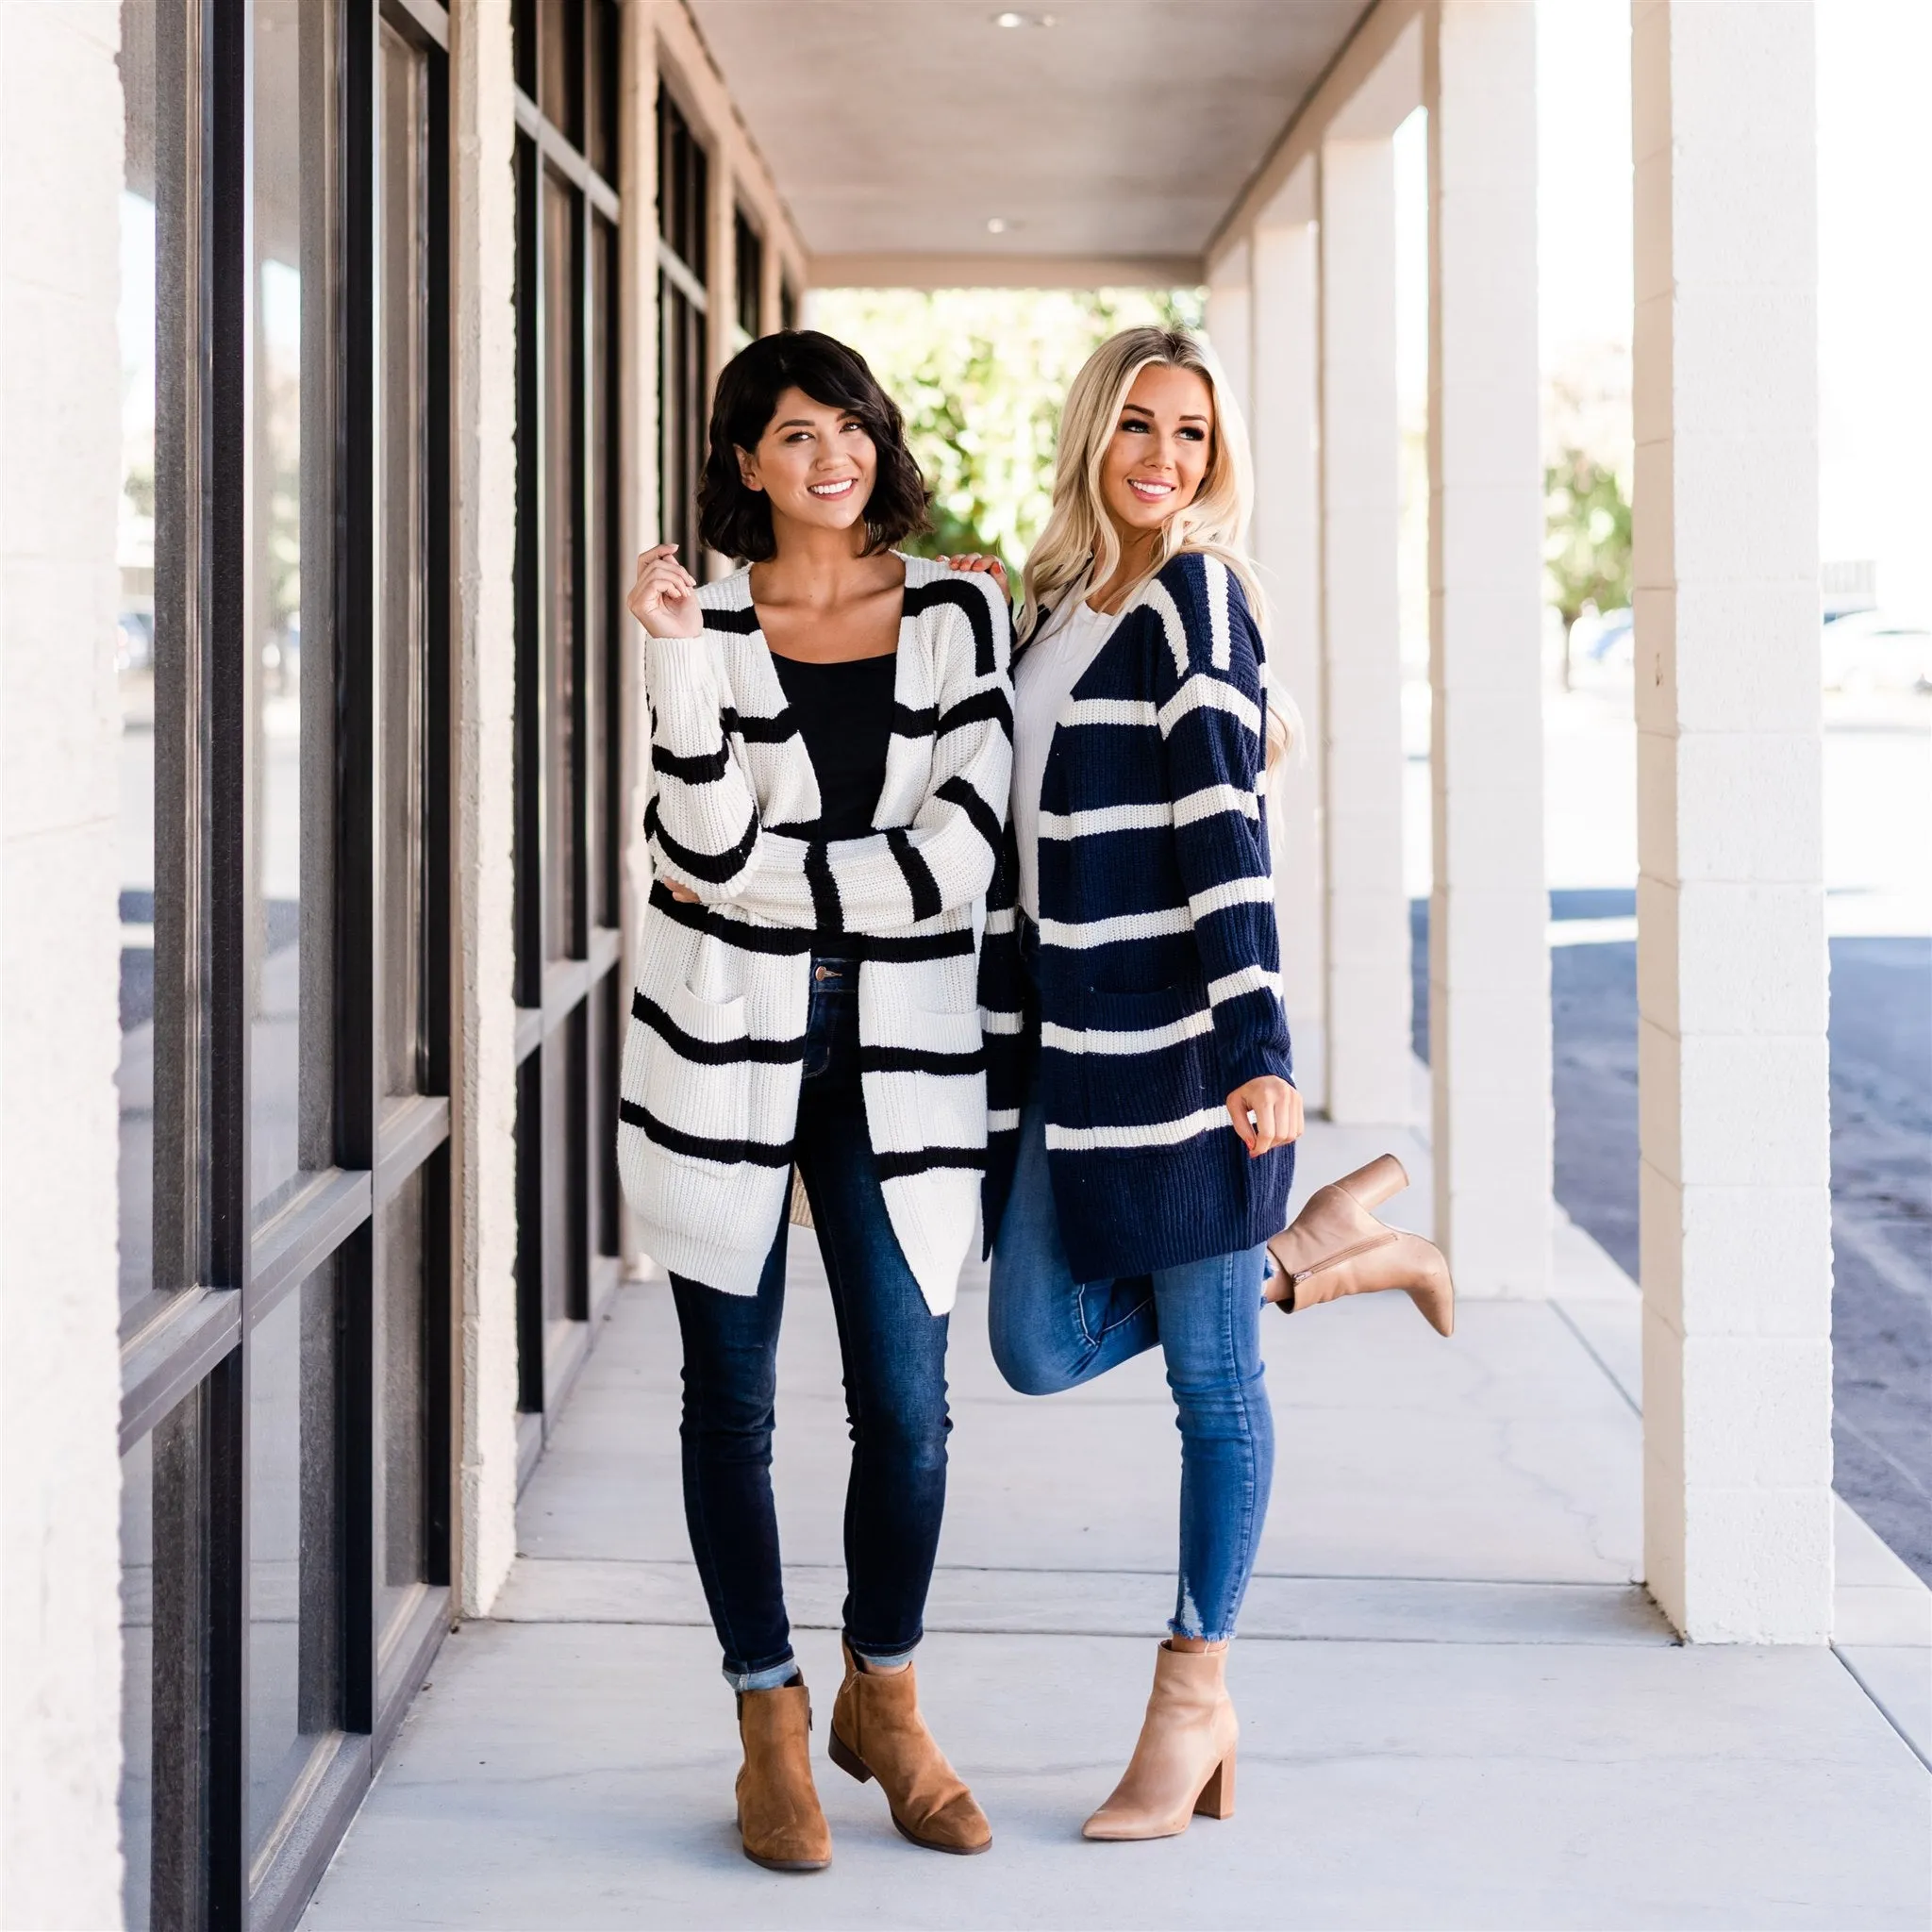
684, 303
568, 986
748, 277
219, 1271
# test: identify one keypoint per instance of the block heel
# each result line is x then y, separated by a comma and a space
847, 1760
1217, 1795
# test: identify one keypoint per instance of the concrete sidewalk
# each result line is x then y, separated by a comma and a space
1457, 1708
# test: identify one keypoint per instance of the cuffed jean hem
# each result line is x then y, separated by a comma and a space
772, 1678
885, 1659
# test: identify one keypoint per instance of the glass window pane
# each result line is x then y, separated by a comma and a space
601, 138
562, 522
294, 1557
164, 1650
683, 188
402, 378
749, 264
602, 629
134, 653
561, 1172
562, 37
607, 1047
293, 997
137, 1680
402, 1507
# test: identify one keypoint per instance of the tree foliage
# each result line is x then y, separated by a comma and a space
981, 374
1586, 542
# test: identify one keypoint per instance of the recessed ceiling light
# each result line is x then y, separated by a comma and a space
1012, 19
997, 225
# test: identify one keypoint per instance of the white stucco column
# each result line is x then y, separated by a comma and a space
1731, 959
484, 1083
1488, 908
1368, 945
1229, 328
61, 175
637, 309
1286, 543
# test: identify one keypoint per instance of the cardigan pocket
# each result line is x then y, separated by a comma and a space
693, 1078
1147, 1057
706, 1093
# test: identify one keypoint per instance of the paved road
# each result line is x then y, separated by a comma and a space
1881, 1143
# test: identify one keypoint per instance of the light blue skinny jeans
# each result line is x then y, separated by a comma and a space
1050, 1332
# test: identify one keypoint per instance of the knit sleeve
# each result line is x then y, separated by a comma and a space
944, 859
700, 820
1209, 700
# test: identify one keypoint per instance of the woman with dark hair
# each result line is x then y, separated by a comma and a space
830, 753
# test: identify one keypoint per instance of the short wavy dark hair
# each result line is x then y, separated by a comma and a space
738, 520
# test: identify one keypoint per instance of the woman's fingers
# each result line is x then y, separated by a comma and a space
663, 597
973, 562
1267, 1114
683, 894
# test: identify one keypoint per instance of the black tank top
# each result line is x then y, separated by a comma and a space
845, 714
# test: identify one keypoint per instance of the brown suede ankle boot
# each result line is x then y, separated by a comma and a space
1183, 1762
877, 1732
779, 1815
1336, 1247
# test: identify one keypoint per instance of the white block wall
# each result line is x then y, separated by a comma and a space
1287, 543
1488, 953
1731, 955
483, 188
60, 146
1228, 321
1369, 999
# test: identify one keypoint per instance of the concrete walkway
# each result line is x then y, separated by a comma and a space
1457, 1708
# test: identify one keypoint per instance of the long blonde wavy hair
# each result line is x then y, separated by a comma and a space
1078, 542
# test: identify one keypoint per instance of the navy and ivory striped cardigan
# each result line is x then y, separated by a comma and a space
1158, 970
715, 1052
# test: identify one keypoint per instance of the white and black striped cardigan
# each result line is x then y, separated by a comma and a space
1159, 988
713, 1063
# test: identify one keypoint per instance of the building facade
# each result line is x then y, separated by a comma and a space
352, 349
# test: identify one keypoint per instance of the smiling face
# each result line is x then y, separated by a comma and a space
1156, 460
816, 463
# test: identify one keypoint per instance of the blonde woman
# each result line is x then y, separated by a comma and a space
1142, 1116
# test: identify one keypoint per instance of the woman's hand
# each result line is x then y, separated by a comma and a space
664, 598
683, 894
1267, 1113
991, 566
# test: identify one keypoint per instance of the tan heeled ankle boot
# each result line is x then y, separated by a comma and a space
877, 1732
778, 1814
1334, 1247
1184, 1761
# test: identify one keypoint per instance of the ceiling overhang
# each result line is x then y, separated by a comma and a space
922, 143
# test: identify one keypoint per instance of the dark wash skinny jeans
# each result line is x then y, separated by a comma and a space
894, 1352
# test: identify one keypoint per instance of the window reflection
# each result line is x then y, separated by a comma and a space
134, 647
563, 521
137, 1680
293, 993
294, 1556
402, 1505
402, 379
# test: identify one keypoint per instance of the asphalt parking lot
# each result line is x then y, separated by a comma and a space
1881, 1145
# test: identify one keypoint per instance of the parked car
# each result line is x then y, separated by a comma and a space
1874, 650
